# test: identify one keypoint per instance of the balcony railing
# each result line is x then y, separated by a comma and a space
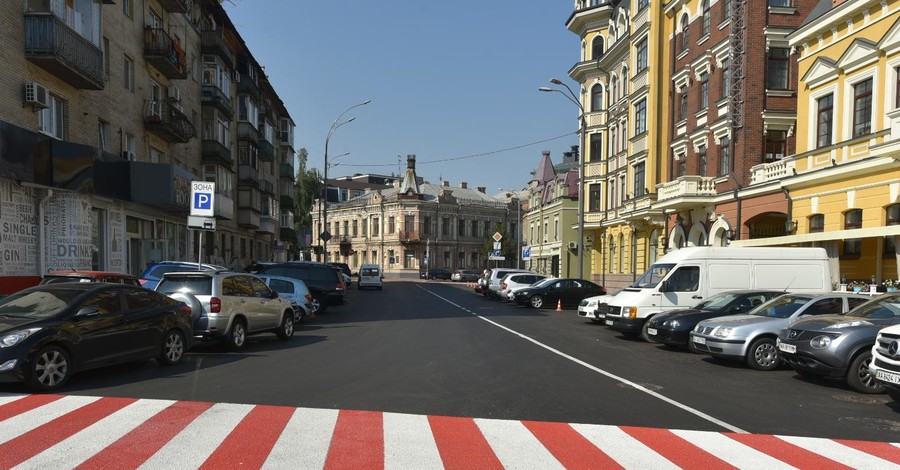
691, 186
287, 202
773, 171
164, 53
54, 46
266, 187
168, 122
215, 152
266, 150
288, 235
248, 174
246, 131
248, 218
286, 170
248, 85
175, 6
211, 41
212, 95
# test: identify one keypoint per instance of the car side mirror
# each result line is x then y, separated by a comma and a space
274, 294
85, 312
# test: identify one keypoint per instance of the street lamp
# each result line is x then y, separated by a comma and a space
337, 123
581, 197
519, 228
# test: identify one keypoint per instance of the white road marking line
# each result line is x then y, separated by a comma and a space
198, 440
515, 446
409, 443
305, 441
839, 452
736, 453
32, 419
625, 381
86, 443
621, 447
4, 399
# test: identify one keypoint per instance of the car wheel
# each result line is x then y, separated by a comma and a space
172, 350
49, 369
237, 335
644, 334
858, 376
536, 301
320, 303
762, 355
286, 329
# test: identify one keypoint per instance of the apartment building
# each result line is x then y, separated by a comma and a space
108, 111
411, 226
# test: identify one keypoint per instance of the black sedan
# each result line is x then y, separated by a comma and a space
674, 328
436, 273
47, 333
553, 292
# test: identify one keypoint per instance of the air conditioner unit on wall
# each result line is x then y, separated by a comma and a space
573, 245
37, 95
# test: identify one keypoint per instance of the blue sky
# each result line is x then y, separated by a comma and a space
446, 80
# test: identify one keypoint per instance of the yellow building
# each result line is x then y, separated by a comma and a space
623, 93
844, 181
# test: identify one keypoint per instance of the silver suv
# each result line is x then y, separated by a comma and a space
228, 306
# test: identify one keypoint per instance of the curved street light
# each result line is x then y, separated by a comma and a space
571, 96
334, 126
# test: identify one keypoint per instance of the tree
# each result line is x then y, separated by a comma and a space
308, 189
302, 158
507, 246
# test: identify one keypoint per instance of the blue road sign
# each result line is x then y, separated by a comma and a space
526, 253
203, 198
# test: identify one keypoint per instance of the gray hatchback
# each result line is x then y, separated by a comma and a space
840, 346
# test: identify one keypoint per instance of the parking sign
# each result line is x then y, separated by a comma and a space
203, 198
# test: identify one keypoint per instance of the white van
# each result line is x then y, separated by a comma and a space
369, 276
683, 278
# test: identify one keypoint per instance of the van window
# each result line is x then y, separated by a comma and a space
685, 279
369, 272
653, 276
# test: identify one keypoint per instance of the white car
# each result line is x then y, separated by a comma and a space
588, 308
885, 364
515, 281
370, 276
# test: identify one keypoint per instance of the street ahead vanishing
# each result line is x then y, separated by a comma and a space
434, 349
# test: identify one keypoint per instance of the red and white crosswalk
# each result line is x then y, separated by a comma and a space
61, 432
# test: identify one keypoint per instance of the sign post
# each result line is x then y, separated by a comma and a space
202, 217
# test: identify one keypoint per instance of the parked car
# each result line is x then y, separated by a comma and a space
370, 276
673, 328
294, 290
54, 277
549, 292
464, 275
325, 284
492, 284
751, 337
885, 365
435, 273
594, 308
55, 330
840, 346
228, 306
344, 267
154, 272
515, 281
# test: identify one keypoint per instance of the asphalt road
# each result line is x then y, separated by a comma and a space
436, 348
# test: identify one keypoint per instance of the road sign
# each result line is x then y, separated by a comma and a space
201, 223
497, 237
526, 253
498, 246
496, 255
203, 194
325, 236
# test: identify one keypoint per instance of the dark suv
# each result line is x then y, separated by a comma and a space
436, 273
325, 283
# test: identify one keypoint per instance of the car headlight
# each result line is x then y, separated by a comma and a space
629, 312
820, 342
722, 332
13, 339
848, 324
592, 303
672, 323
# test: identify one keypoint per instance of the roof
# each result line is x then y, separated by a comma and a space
545, 170
430, 193
824, 6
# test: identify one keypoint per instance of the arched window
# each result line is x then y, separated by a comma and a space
596, 97
624, 78
685, 32
597, 48
613, 89
621, 253
706, 19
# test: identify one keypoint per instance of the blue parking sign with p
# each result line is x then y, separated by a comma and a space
203, 198
203, 201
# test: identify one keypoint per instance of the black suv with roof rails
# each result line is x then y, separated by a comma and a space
325, 283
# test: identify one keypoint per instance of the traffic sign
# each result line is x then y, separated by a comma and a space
497, 237
498, 246
496, 255
201, 223
203, 194
526, 253
325, 236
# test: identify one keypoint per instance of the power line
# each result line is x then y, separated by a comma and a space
484, 154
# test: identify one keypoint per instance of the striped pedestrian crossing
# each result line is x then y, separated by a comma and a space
69, 432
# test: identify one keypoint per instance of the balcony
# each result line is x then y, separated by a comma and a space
286, 138
164, 53
287, 203
224, 207
246, 131
774, 171
266, 150
175, 6
212, 42
288, 235
248, 86
266, 187
248, 174
211, 95
685, 192
248, 218
168, 122
411, 237
267, 224
59, 49
215, 152
589, 12
286, 171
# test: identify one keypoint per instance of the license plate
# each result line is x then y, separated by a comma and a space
698, 339
609, 322
887, 376
788, 348
651, 331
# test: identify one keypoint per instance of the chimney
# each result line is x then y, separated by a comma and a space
482, 189
445, 184
464, 185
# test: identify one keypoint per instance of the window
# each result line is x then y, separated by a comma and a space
426, 225
597, 47
776, 145
641, 4
130, 145
613, 88
685, 32
724, 155
701, 160
682, 166
778, 67
596, 154
726, 78
853, 219
897, 87
642, 55
817, 223
556, 229
780, 3
640, 117
103, 135
862, 108
682, 108
824, 120
474, 229
639, 180
595, 198
128, 74
726, 10
596, 97
445, 226
685, 279
128, 8
706, 19
355, 228
392, 224
52, 119
893, 214
852, 248
106, 69
461, 228
704, 91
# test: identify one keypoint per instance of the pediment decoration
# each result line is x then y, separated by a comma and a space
860, 53
822, 70
890, 42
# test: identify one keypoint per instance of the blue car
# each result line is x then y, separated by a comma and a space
154, 272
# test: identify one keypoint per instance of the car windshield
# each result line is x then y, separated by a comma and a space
37, 304
197, 285
717, 301
780, 307
882, 308
653, 276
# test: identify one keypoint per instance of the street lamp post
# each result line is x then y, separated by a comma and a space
337, 123
581, 196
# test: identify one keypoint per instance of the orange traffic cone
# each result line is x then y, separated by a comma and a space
559, 305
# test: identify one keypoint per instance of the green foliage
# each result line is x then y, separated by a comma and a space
507, 246
302, 157
307, 190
